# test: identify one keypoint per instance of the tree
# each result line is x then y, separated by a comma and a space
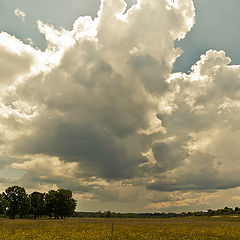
51, 202
18, 201
3, 204
60, 203
66, 203
107, 214
37, 200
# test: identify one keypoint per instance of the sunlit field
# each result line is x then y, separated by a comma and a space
71, 229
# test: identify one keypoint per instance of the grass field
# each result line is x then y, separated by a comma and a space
76, 229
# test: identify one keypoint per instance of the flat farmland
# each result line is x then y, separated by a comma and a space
113, 229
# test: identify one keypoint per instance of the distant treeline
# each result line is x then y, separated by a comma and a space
14, 201
109, 214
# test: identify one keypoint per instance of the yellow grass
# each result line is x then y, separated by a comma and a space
149, 229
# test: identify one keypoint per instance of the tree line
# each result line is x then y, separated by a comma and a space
109, 214
14, 201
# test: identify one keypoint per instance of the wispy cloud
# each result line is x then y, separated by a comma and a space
21, 14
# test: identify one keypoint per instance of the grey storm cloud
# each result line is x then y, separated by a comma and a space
169, 155
100, 108
92, 112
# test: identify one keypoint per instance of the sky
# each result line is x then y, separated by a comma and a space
134, 106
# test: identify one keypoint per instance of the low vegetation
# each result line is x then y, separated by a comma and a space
192, 228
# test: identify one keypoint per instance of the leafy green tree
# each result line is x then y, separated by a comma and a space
107, 214
60, 203
66, 203
18, 201
37, 200
51, 203
3, 204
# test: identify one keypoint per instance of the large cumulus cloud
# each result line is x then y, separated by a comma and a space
100, 112
106, 87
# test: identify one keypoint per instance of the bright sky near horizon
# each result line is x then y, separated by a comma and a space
110, 107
